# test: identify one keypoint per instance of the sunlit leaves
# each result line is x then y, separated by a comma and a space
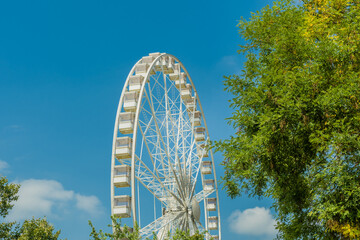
296, 117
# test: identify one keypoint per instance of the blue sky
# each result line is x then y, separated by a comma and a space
62, 68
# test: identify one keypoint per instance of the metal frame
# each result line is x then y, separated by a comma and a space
168, 137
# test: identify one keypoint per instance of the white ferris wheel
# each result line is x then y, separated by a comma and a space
162, 172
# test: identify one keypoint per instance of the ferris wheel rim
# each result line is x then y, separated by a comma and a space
135, 130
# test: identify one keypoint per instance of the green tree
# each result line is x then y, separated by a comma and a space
124, 232
297, 114
118, 233
8, 194
38, 229
182, 235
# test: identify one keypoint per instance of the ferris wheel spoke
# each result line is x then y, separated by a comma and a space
191, 154
183, 223
203, 230
182, 186
171, 169
149, 151
158, 224
152, 183
168, 117
192, 164
194, 226
179, 143
158, 100
200, 196
175, 100
149, 99
152, 138
150, 180
194, 184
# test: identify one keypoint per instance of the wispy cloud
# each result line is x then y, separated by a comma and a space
90, 204
14, 127
3, 165
256, 221
230, 64
40, 198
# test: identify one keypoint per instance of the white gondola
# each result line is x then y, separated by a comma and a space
176, 75
181, 81
126, 122
190, 104
195, 118
211, 204
209, 185
206, 167
141, 69
170, 67
213, 223
155, 54
202, 150
123, 147
130, 101
135, 83
177, 67
186, 92
158, 65
122, 176
162, 64
122, 206
148, 59
199, 134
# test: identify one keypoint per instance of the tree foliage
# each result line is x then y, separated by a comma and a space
38, 229
127, 233
297, 114
119, 232
8, 194
181, 235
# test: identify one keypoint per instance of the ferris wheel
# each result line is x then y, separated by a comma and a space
162, 170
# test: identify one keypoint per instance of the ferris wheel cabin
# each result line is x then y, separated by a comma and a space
206, 167
199, 134
122, 206
213, 222
202, 151
211, 204
126, 122
135, 82
122, 176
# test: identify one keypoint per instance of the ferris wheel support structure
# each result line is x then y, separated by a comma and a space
160, 149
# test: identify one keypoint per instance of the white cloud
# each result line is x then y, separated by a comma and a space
3, 165
14, 128
90, 204
230, 64
253, 221
40, 198
230, 61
